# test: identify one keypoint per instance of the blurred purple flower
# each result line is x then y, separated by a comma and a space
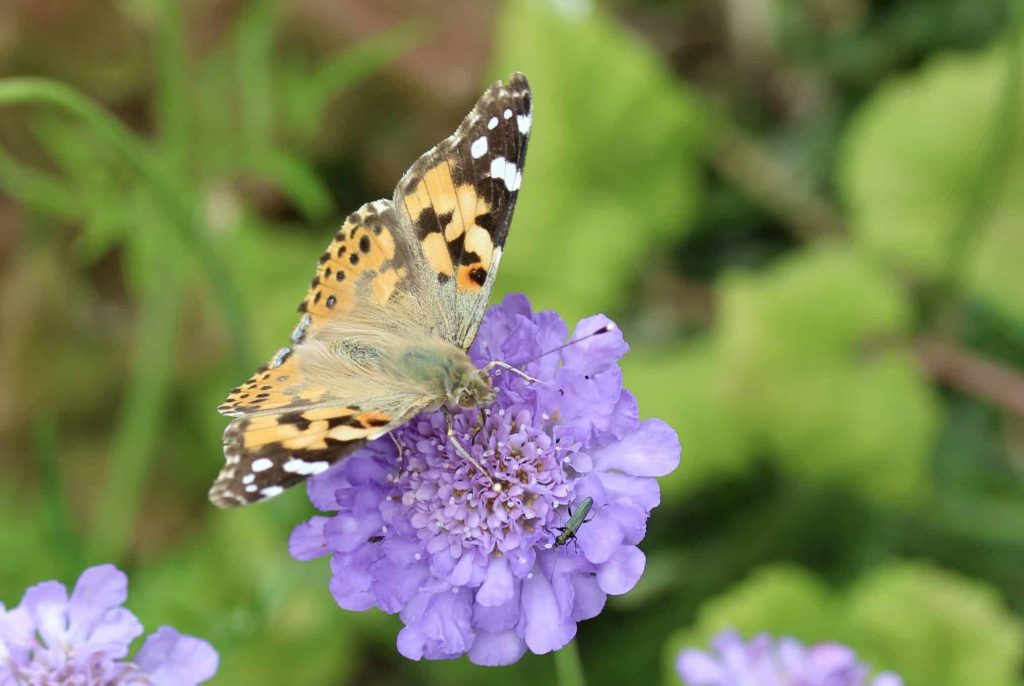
765, 661
472, 568
83, 640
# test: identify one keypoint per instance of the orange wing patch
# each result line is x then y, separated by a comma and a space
362, 264
450, 218
314, 429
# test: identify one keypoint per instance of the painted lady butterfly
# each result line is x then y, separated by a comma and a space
395, 304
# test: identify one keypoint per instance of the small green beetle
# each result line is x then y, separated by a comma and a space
576, 520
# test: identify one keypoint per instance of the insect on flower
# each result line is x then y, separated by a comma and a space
415, 530
576, 520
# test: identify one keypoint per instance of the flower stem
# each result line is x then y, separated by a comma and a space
568, 666
55, 511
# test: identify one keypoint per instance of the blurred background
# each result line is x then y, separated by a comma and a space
807, 216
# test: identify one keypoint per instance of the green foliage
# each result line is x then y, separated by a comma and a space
942, 197
937, 628
602, 194
811, 359
932, 627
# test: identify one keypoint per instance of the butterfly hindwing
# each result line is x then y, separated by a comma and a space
278, 385
458, 199
267, 453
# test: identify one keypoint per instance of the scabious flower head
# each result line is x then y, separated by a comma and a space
764, 661
469, 561
50, 639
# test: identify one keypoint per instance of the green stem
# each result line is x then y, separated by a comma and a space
63, 538
37, 188
171, 98
568, 666
171, 199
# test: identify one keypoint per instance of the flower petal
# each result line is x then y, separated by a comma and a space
622, 570
498, 586
589, 598
598, 353
98, 590
351, 582
599, 539
47, 606
500, 617
169, 658
411, 643
543, 629
496, 649
115, 632
652, 449
643, 491
307, 541
697, 668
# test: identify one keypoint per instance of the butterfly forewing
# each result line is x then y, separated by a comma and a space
459, 197
420, 266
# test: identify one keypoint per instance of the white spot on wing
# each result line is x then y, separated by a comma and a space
262, 464
271, 491
299, 334
279, 358
524, 121
507, 114
507, 172
297, 466
248, 479
251, 488
492, 123
479, 147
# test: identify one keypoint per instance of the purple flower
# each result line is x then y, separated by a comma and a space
83, 640
766, 662
470, 563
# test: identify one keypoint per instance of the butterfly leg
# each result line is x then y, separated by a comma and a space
482, 415
519, 372
401, 450
464, 454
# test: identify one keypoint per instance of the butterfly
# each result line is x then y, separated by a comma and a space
395, 304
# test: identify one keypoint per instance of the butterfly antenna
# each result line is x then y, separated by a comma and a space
607, 328
519, 372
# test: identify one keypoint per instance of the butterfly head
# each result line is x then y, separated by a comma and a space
469, 386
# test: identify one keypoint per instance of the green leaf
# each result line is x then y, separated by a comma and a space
613, 170
935, 627
932, 170
808, 362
